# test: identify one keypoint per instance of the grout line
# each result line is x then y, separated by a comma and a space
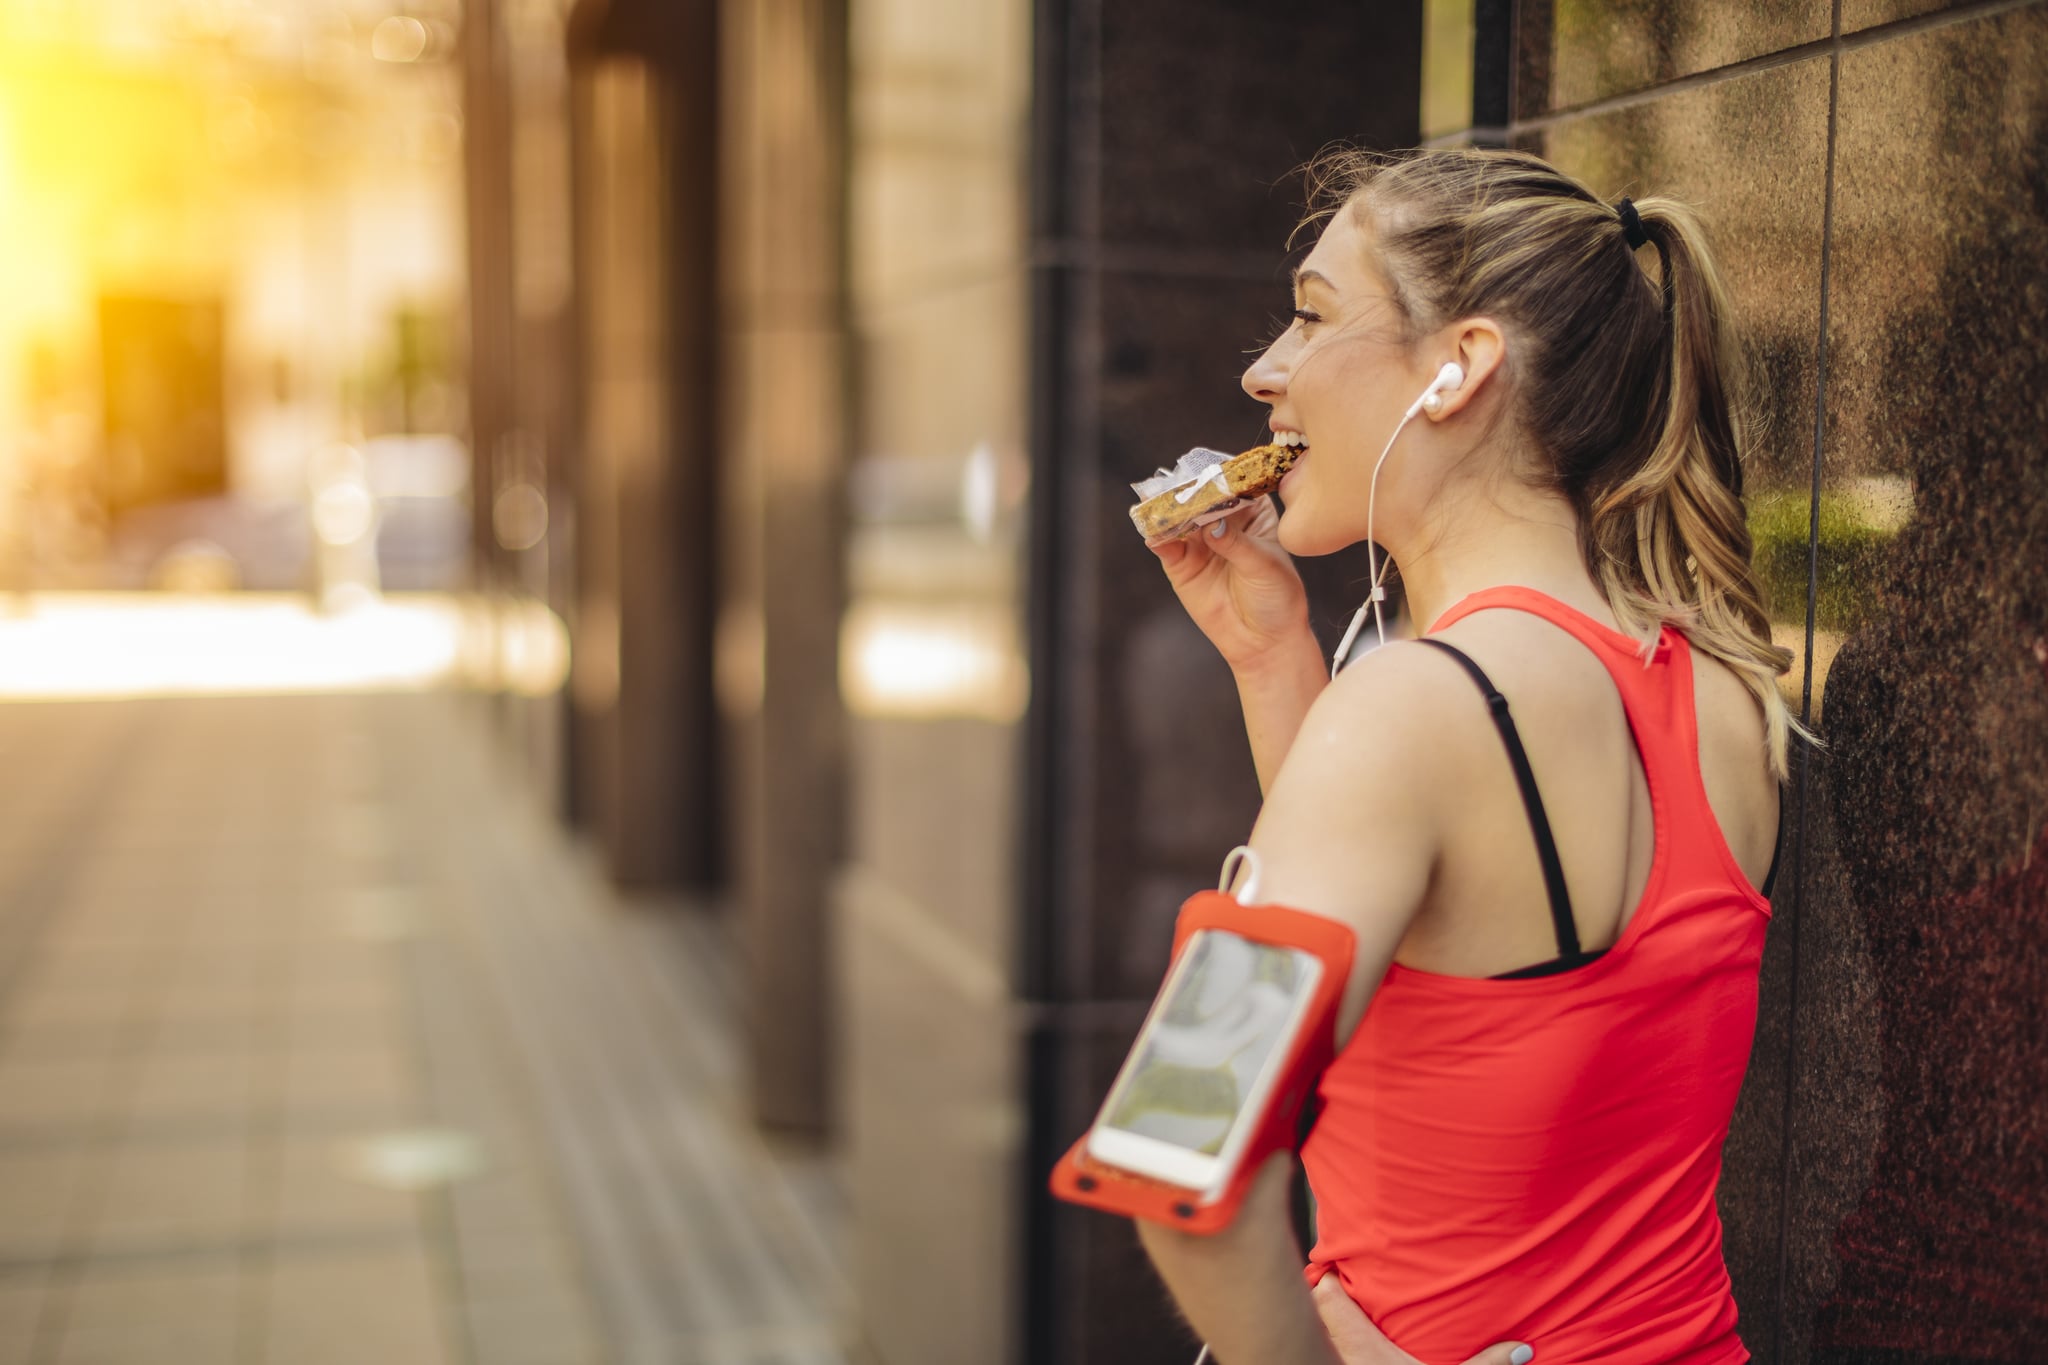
1807, 754
1921, 23
182, 1249
1834, 44
1262, 267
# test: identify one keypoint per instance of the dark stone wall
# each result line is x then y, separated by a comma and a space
1164, 142
1875, 176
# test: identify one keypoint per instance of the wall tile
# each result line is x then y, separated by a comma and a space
1750, 153
1203, 114
1572, 54
1861, 14
1918, 1233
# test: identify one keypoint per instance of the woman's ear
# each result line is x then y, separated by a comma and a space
1480, 347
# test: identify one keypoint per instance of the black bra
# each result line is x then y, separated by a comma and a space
1569, 954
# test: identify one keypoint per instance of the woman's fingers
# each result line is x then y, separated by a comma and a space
1357, 1340
1504, 1353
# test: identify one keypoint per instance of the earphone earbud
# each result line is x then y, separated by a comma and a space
1432, 400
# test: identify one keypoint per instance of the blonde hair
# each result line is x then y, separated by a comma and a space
1630, 391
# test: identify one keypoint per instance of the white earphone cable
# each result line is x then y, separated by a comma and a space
1449, 377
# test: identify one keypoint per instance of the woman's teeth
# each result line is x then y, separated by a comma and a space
1290, 438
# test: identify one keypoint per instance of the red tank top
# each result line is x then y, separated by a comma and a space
1536, 1159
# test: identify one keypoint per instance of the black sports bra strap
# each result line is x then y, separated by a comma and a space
1525, 778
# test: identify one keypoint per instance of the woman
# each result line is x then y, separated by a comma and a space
1520, 1138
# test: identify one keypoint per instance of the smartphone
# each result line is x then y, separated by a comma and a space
1191, 1094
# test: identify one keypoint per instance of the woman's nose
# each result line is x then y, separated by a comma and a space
1266, 380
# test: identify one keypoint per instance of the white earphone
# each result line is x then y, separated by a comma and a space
1432, 401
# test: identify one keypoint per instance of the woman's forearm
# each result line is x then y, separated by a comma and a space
1276, 694
1242, 1288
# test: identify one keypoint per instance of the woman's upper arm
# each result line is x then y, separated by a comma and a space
1350, 829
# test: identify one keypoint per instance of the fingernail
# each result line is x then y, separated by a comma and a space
1521, 1355
1217, 531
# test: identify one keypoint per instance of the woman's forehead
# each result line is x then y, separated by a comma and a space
1340, 256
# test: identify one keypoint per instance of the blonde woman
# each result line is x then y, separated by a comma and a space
1550, 822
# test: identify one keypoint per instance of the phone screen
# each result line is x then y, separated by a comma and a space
1230, 1006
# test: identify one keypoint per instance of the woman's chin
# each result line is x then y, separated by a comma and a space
1301, 537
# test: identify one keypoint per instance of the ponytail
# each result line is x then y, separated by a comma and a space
1669, 538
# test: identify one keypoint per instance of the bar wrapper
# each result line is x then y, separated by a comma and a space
1205, 485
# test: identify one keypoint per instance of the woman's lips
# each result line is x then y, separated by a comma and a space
1292, 474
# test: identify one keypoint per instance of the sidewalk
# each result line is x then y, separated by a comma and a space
319, 1044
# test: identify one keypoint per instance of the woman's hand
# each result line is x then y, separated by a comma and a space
1240, 587
1359, 1342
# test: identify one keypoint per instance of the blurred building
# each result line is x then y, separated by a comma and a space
813, 344
231, 241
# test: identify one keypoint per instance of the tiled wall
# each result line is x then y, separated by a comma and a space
1876, 179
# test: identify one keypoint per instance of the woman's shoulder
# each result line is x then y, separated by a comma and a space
1405, 713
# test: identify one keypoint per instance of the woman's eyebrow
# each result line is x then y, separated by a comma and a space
1302, 277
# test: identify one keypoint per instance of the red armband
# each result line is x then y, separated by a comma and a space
1082, 1178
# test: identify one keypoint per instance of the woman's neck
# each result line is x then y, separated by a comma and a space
1531, 540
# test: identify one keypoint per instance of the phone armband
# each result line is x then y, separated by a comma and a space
1081, 1178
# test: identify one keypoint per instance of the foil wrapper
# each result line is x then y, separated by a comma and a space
1185, 477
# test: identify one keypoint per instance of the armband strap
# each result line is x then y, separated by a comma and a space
1081, 1179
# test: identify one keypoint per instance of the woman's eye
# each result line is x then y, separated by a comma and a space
1306, 317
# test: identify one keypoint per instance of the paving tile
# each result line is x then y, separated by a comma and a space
173, 1192
542, 1334
76, 1038
253, 1032
39, 1188
372, 1083
174, 1086
185, 1000
317, 1025
66, 963
237, 967
323, 992
152, 1312
138, 917
22, 1298
501, 1202
31, 1006
529, 1267
205, 1344
317, 1193
42, 1093
348, 1308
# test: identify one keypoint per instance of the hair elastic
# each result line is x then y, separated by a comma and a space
1631, 223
